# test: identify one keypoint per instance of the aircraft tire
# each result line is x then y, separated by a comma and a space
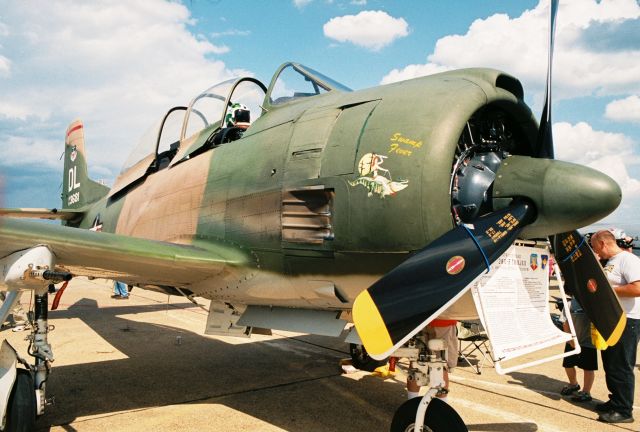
21, 410
360, 359
440, 417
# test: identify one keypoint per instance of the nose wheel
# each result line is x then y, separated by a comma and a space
439, 417
21, 409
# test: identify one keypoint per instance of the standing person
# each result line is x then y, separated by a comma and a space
587, 359
623, 272
120, 291
445, 330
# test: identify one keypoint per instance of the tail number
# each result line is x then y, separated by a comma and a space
73, 198
72, 185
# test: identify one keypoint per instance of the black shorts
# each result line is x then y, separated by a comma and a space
586, 360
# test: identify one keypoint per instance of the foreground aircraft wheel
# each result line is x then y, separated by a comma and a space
21, 411
360, 359
440, 417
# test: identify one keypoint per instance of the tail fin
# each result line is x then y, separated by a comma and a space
78, 190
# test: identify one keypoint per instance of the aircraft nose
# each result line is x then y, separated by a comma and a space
567, 196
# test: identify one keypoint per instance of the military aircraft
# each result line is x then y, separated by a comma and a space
283, 204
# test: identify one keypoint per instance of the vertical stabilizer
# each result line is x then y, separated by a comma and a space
78, 189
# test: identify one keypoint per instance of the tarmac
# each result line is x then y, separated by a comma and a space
144, 364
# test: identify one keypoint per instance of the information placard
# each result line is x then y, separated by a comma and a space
513, 304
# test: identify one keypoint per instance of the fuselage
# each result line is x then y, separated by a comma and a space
327, 193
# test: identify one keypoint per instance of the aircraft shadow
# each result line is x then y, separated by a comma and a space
291, 383
542, 384
278, 381
503, 427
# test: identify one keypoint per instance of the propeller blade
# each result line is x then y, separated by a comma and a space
585, 279
544, 144
400, 304
582, 271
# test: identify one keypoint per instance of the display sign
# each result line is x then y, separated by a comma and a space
513, 304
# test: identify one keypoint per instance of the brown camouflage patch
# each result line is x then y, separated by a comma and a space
166, 206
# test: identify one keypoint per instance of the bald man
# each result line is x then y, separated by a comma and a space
623, 272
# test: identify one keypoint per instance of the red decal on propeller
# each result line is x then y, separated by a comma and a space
592, 285
455, 265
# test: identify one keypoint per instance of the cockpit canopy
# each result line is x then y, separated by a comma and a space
233, 104
294, 81
212, 106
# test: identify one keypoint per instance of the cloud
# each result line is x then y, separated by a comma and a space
624, 110
232, 32
220, 49
117, 65
580, 143
41, 153
619, 35
301, 3
5, 67
611, 153
372, 30
359, 2
413, 71
13, 110
518, 46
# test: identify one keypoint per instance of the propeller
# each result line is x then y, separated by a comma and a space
402, 302
544, 145
398, 305
582, 271
585, 280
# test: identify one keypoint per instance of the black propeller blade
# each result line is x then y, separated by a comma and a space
603, 308
585, 280
400, 303
544, 145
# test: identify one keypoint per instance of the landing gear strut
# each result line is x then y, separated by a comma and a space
428, 413
40, 349
22, 391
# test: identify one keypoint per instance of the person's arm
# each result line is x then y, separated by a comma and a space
629, 290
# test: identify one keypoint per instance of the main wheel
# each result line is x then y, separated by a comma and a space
360, 359
440, 417
21, 410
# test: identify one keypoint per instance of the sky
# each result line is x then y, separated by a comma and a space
119, 66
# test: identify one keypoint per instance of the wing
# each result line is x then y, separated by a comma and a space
129, 259
42, 213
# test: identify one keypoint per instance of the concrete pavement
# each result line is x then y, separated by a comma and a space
144, 364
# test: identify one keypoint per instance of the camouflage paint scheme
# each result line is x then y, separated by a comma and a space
319, 198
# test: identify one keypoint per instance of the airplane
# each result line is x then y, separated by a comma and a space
283, 203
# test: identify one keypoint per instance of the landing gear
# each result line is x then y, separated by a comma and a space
24, 398
439, 417
361, 360
427, 362
40, 349
21, 410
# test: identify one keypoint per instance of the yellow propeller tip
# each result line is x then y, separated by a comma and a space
370, 325
617, 332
